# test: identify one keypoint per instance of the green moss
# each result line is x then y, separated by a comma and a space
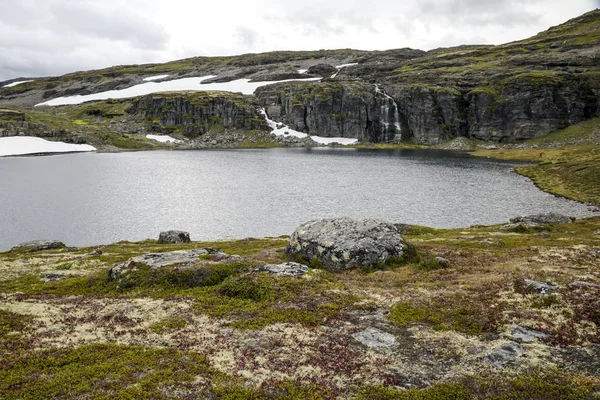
465, 312
550, 384
168, 324
100, 371
535, 78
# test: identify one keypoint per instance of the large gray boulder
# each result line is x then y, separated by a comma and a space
173, 237
341, 243
38, 245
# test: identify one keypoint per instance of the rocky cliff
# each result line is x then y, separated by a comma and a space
334, 109
197, 113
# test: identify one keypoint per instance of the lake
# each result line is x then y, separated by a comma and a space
92, 199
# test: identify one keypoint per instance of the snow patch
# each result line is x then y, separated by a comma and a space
164, 139
338, 140
283, 130
339, 67
345, 65
16, 83
302, 71
155, 78
21, 145
241, 85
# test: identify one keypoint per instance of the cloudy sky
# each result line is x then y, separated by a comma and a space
52, 37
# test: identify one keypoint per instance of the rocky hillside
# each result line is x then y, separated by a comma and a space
505, 93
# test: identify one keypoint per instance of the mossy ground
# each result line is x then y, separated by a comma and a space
225, 332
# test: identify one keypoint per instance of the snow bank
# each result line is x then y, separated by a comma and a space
302, 71
16, 83
284, 130
155, 78
339, 140
241, 85
164, 139
21, 145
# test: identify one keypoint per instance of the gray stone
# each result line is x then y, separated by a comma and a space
38, 245
502, 355
442, 261
519, 227
53, 277
525, 335
172, 237
543, 219
579, 284
541, 288
375, 338
343, 243
285, 269
159, 260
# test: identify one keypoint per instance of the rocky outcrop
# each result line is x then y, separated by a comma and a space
324, 70
180, 258
196, 113
332, 109
341, 243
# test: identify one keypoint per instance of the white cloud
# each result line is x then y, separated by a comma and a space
48, 37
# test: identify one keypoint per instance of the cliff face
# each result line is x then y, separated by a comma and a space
198, 113
349, 109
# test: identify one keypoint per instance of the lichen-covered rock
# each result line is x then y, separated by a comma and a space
541, 288
341, 243
285, 269
158, 260
325, 70
375, 338
38, 245
522, 334
503, 355
543, 219
172, 237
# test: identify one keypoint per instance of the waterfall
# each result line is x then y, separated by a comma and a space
385, 112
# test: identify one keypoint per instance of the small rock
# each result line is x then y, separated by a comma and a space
502, 355
579, 284
285, 269
53, 277
96, 253
38, 245
525, 335
172, 237
375, 338
541, 288
442, 261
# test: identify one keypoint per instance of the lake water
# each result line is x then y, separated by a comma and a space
89, 199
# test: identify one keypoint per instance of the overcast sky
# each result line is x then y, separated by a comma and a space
52, 37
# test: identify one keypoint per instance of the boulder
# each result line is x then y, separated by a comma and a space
38, 245
172, 237
543, 219
285, 269
341, 243
159, 260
